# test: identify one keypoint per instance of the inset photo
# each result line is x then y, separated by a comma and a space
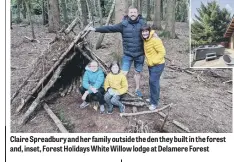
212, 34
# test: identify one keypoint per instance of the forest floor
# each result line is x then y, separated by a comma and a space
201, 101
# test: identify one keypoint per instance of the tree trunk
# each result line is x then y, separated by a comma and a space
11, 19
162, 10
85, 12
188, 11
24, 11
148, 10
100, 12
144, 8
127, 3
157, 15
89, 10
18, 20
119, 14
139, 6
134, 3
54, 16
170, 22
82, 9
65, 17
44, 12
119, 10
101, 36
94, 7
29, 17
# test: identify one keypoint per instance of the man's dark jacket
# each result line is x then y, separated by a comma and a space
130, 30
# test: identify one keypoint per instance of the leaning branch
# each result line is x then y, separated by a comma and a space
136, 103
72, 25
56, 120
146, 112
43, 92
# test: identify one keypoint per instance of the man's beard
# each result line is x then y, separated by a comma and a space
133, 17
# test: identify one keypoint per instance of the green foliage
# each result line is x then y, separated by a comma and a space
210, 25
181, 10
37, 9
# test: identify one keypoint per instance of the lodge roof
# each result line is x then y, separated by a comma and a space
230, 29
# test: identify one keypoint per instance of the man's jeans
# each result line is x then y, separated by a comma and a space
127, 63
154, 82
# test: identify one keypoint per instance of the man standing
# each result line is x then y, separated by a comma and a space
132, 43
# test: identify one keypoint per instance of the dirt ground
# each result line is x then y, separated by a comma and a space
201, 101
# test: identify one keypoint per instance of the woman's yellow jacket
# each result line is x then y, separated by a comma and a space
154, 50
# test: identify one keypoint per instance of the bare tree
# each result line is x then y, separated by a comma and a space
64, 8
188, 6
89, 10
100, 12
101, 36
18, 19
170, 22
28, 2
44, 12
11, 19
162, 10
139, 6
157, 15
134, 3
119, 10
144, 8
148, 10
54, 16
119, 14
82, 9
94, 7
127, 3
164, 6
24, 10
